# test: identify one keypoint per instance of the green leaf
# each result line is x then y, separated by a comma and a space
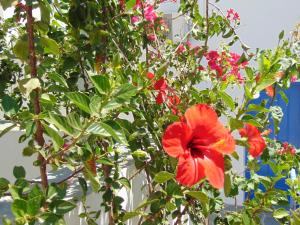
19, 172
202, 198
9, 105
163, 176
50, 46
170, 206
112, 129
61, 207
7, 129
101, 83
256, 108
6, 3
21, 48
140, 154
79, 99
28, 151
28, 85
227, 185
284, 97
145, 203
58, 141
19, 207
110, 106
34, 205
130, 4
235, 124
3, 185
228, 34
249, 72
227, 100
242, 59
162, 69
73, 119
264, 84
83, 185
45, 11
58, 78
198, 195
130, 215
280, 213
61, 123
246, 219
105, 161
125, 92
120, 135
281, 35
125, 182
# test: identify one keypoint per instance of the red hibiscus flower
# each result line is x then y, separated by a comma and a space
199, 142
256, 142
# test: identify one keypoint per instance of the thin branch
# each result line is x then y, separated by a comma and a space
39, 138
71, 176
231, 27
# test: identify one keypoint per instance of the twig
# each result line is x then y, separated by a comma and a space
71, 176
233, 29
36, 101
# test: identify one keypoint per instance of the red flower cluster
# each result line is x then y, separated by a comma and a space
233, 15
287, 149
165, 93
255, 140
199, 142
225, 64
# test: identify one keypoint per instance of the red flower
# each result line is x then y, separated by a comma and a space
150, 75
160, 85
161, 97
270, 91
199, 142
173, 101
256, 142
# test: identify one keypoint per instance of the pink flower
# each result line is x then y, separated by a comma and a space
233, 16
151, 37
135, 19
294, 78
180, 49
149, 13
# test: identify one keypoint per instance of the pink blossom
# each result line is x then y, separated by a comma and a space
233, 16
135, 19
180, 49
151, 37
149, 13
294, 78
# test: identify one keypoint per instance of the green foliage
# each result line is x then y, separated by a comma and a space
94, 102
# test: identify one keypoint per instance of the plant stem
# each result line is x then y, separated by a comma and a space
39, 138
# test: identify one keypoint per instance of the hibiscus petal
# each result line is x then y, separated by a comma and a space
256, 142
214, 136
213, 163
256, 146
190, 170
200, 115
224, 143
175, 139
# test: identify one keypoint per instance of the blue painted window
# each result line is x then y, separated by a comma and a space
289, 127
